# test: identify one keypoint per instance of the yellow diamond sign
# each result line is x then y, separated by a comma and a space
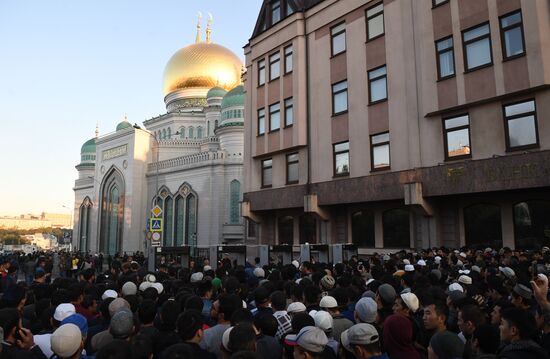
156, 211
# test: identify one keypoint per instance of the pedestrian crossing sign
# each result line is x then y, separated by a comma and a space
155, 224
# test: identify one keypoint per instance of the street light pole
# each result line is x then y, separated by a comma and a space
137, 127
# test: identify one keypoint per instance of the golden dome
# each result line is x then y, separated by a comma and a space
202, 65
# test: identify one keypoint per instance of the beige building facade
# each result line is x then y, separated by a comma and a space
399, 124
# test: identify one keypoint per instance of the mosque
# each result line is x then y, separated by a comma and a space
188, 161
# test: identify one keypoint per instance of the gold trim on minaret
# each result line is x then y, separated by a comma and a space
208, 28
198, 38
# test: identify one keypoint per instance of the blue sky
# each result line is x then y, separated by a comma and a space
66, 65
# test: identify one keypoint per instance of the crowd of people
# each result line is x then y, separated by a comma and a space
436, 303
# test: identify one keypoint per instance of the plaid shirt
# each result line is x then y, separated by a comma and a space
285, 324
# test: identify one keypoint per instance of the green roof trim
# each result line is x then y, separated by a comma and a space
216, 92
123, 125
234, 97
88, 146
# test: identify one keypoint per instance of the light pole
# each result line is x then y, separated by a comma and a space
137, 127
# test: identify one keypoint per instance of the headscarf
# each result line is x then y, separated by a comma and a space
398, 338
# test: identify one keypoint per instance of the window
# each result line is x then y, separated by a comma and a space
457, 137
168, 217
380, 151
477, 47
362, 229
164, 134
396, 228
274, 66
261, 121
340, 97
292, 166
182, 132
439, 2
288, 59
308, 229
261, 72
289, 112
267, 172
377, 85
179, 221
445, 58
234, 199
482, 225
338, 39
375, 21
191, 132
274, 117
289, 9
511, 35
286, 230
275, 11
199, 132
341, 159
521, 125
169, 133
191, 220
532, 224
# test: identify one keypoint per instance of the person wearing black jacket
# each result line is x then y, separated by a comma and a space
190, 329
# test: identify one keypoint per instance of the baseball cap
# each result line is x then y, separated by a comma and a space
387, 293
296, 307
309, 338
63, 311
66, 340
109, 293
79, 320
129, 288
366, 310
359, 334
328, 302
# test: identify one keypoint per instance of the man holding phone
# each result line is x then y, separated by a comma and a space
18, 341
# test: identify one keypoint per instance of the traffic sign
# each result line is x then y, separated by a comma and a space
157, 211
155, 239
155, 224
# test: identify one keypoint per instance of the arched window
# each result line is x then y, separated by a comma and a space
482, 225
207, 128
191, 220
215, 124
84, 225
182, 132
285, 227
199, 132
308, 229
169, 133
112, 212
234, 199
532, 224
180, 210
168, 220
362, 229
191, 132
164, 134
395, 225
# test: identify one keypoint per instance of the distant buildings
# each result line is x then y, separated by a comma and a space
29, 221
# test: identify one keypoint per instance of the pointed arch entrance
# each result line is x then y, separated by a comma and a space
112, 212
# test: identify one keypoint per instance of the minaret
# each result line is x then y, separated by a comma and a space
198, 38
208, 28
97, 130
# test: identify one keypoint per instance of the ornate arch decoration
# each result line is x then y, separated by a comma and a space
112, 198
